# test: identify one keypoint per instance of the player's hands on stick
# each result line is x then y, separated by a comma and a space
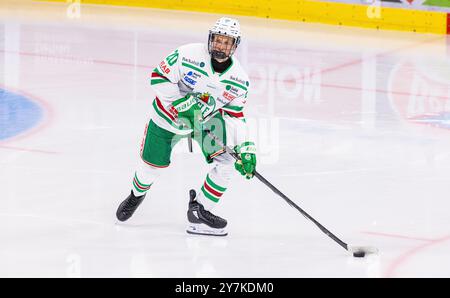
247, 163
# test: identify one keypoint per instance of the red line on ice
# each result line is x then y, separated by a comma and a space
406, 256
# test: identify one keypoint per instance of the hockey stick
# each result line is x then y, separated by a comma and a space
357, 251
190, 143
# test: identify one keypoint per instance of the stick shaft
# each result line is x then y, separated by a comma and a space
190, 143
303, 212
282, 195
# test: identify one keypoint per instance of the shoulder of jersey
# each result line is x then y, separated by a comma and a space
238, 73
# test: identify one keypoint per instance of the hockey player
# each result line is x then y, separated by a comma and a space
198, 87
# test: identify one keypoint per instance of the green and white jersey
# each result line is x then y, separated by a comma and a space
188, 69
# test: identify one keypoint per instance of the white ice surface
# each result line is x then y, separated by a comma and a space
334, 112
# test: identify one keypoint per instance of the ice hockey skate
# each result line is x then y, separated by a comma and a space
128, 206
203, 222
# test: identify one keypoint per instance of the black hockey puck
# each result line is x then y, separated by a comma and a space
359, 254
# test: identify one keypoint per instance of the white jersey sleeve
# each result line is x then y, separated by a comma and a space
236, 124
234, 112
165, 78
165, 82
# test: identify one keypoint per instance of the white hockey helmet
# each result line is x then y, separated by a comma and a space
227, 27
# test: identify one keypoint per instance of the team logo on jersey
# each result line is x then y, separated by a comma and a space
205, 97
206, 102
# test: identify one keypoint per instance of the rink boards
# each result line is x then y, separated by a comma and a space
373, 16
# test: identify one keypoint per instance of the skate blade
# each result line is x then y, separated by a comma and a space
202, 229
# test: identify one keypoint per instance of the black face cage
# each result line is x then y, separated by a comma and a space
233, 48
